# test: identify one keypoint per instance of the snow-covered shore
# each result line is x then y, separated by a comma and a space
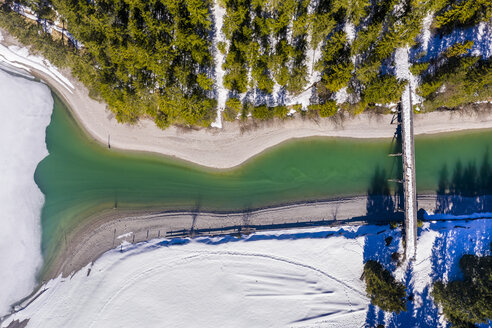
26, 108
294, 278
20, 58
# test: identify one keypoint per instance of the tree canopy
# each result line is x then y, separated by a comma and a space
382, 288
469, 301
157, 58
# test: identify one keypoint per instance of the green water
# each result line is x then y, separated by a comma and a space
80, 175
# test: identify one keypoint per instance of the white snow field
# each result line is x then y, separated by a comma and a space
292, 278
266, 280
26, 108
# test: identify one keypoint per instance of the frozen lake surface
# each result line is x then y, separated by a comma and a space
26, 108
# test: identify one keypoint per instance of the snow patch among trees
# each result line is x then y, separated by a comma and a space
349, 29
425, 35
222, 92
341, 95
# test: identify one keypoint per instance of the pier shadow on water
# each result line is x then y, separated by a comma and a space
467, 190
385, 200
380, 201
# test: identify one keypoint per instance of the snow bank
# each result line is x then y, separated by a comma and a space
26, 111
402, 67
125, 235
425, 35
422, 266
481, 35
341, 95
20, 58
219, 13
312, 57
436, 217
349, 29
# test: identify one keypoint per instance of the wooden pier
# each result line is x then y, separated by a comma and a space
409, 188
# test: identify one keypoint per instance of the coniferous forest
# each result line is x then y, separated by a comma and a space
158, 58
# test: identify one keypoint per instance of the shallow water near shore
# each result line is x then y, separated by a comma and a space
80, 175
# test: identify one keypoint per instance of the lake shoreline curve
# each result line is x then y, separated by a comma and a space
237, 142
111, 227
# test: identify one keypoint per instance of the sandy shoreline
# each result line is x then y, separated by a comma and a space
109, 228
235, 143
